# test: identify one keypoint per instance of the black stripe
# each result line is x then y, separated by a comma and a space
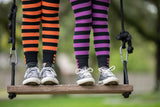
49, 44
100, 3
50, 15
79, 2
99, 19
32, 9
30, 23
82, 9
31, 2
100, 26
101, 33
50, 29
82, 32
81, 40
52, 1
84, 17
30, 45
105, 56
50, 8
30, 38
31, 16
50, 36
81, 48
81, 56
84, 25
101, 41
30, 30
51, 22
102, 49
100, 11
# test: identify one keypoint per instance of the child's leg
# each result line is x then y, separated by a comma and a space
101, 32
50, 29
30, 38
83, 20
30, 29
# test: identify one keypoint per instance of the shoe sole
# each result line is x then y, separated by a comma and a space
110, 81
49, 81
86, 81
31, 81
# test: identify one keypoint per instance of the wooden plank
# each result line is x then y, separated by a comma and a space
69, 89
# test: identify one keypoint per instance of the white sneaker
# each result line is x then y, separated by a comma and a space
84, 76
107, 77
32, 76
48, 76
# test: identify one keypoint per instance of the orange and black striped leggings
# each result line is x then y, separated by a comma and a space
34, 13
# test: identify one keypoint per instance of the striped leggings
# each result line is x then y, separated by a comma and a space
91, 14
34, 13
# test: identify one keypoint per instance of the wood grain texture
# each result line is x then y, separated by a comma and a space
69, 89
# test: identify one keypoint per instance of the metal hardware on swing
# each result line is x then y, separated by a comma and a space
13, 59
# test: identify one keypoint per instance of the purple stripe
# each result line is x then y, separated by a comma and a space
81, 44
101, 30
101, 38
101, 45
82, 37
83, 13
102, 53
84, 21
100, 23
100, 15
100, 7
81, 52
81, 5
82, 29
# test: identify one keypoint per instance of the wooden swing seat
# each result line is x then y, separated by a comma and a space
69, 89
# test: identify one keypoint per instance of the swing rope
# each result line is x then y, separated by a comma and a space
13, 53
125, 37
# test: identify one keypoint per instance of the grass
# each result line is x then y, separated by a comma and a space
149, 100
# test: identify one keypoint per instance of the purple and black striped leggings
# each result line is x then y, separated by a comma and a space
91, 14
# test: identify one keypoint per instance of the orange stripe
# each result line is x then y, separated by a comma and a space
30, 41
50, 25
31, 5
38, 12
30, 26
50, 18
50, 48
30, 49
50, 40
30, 34
49, 11
49, 4
50, 33
31, 20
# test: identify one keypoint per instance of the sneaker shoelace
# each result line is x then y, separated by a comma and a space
49, 71
33, 71
107, 72
85, 71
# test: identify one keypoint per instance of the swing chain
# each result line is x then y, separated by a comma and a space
122, 59
13, 59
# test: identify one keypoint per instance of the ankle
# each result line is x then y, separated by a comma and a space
47, 64
31, 64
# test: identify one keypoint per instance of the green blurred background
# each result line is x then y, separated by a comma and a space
142, 20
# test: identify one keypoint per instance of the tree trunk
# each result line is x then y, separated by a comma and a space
157, 87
